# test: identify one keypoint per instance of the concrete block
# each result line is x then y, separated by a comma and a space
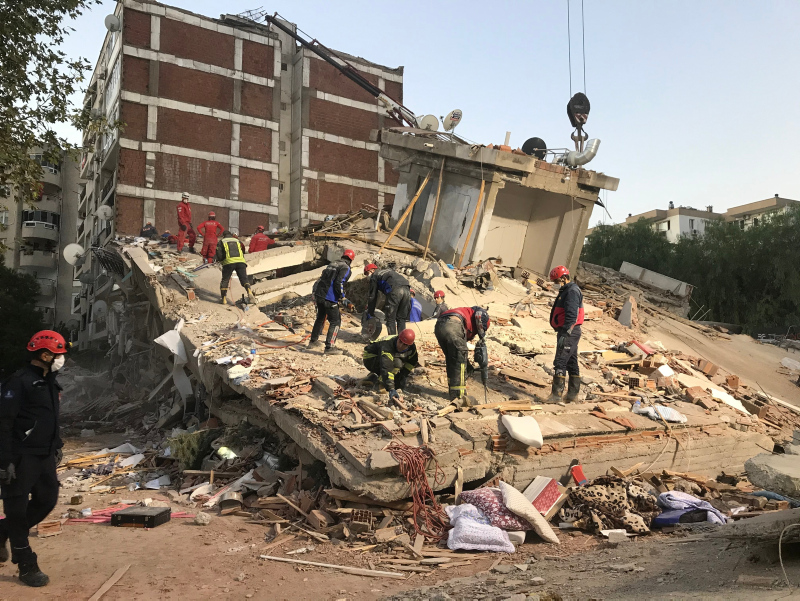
592, 312
707, 367
439, 422
630, 313
695, 393
776, 473
327, 386
382, 460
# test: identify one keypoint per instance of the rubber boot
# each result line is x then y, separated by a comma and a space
29, 572
573, 389
3, 550
559, 382
223, 293
370, 380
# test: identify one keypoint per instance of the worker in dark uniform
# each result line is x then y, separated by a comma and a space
391, 360
328, 292
441, 307
230, 254
453, 329
148, 231
398, 297
30, 450
566, 318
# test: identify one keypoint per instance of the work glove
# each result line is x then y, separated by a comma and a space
394, 395
348, 305
59, 456
8, 474
182, 228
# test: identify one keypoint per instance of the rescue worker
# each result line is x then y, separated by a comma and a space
566, 318
398, 297
148, 231
415, 314
185, 224
210, 231
30, 450
328, 292
390, 360
169, 238
441, 307
453, 329
260, 241
230, 253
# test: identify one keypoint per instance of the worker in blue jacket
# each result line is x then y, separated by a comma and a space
416, 308
328, 293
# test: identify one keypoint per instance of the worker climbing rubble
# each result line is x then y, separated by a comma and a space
566, 318
390, 361
454, 328
230, 253
260, 241
441, 306
185, 227
210, 230
328, 292
398, 296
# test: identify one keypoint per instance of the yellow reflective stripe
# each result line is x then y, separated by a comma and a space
390, 375
409, 367
369, 355
463, 369
390, 355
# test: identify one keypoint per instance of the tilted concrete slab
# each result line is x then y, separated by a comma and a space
279, 257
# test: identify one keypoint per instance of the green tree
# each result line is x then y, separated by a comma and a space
19, 316
637, 243
36, 82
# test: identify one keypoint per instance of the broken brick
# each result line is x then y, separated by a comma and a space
707, 367
732, 381
695, 393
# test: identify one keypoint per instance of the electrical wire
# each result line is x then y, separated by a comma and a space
780, 553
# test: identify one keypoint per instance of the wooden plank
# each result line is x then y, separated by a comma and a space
407, 211
472, 223
435, 211
115, 577
523, 376
346, 495
280, 540
288, 502
345, 569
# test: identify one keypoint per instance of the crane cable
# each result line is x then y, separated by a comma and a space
569, 46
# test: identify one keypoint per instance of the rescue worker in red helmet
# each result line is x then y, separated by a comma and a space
30, 450
260, 241
328, 293
566, 318
441, 307
391, 360
211, 230
185, 227
453, 329
398, 296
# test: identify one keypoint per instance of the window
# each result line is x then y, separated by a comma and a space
691, 224
668, 224
5, 191
42, 216
51, 167
4, 218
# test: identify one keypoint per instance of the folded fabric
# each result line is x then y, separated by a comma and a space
471, 530
668, 413
678, 516
674, 499
490, 502
517, 503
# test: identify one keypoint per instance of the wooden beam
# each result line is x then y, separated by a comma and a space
472, 225
345, 569
407, 211
435, 211
109, 583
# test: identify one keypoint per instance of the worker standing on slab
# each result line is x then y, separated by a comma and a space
230, 253
441, 307
260, 241
415, 314
30, 450
186, 229
328, 293
454, 328
566, 318
391, 360
210, 230
398, 296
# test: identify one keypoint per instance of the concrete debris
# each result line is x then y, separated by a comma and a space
777, 473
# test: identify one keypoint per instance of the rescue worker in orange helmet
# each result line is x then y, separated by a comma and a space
391, 360
566, 318
210, 229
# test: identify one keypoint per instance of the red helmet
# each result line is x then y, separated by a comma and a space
49, 340
349, 254
438, 294
212, 215
558, 272
260, 228
407, 336
370, 268
411, 291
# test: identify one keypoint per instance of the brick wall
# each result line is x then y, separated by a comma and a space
190, 130
325, 78
136, 75
136, 28
340, 120
332, 198
254, 185
256, 100
195, 87
196, 176
131, 167
134, 116
255, 142
197, 43
249, 221
129, 215
258, 59
339, 159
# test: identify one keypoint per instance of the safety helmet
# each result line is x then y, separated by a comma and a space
260, 228
484, 317
370, 268
407, 336
212, 215
558, 272
411, 291
49, 340
438, 294
185, 195
349, 254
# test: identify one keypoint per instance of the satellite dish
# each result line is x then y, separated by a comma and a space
86, 278
429, 122
453, 118
112, 23
73, 254
105, 212
535, 147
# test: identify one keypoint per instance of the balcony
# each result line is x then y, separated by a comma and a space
47, 288
39, 230
38, 259
51, 178
48, 315
87, 165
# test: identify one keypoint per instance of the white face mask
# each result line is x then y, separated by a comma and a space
58, 363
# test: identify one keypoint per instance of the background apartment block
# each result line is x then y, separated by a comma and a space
35, 236
752, 213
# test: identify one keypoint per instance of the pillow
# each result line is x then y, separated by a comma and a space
524, 429
490, 502
471, 531
516, 502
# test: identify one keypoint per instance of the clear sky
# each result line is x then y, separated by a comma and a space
695, 102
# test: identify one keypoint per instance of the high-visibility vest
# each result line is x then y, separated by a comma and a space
234, 251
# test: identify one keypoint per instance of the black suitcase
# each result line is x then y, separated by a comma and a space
141, 517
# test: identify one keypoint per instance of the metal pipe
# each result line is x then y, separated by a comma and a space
576, 159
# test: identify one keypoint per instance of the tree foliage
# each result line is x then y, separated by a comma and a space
36, 81
19, 316
744, 276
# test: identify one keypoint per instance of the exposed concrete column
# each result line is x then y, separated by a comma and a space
492, 188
